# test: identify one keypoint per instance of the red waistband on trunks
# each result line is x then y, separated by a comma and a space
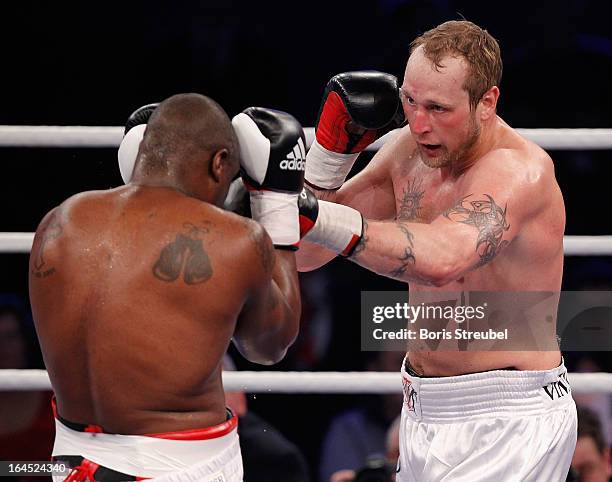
215, 431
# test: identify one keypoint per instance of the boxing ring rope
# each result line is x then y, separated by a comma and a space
573, 245
110, 136
302, 382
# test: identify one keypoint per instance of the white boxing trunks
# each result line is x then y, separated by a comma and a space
500, 425
205, 455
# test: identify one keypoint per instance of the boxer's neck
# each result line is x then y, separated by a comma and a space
485, 143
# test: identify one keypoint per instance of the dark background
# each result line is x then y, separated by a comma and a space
92, 63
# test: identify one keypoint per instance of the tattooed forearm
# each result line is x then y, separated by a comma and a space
407, 258
185, 255
51, 231
489, 219
410, 202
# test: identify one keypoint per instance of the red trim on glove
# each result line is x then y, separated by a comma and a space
332, 132
351, 246
306, 225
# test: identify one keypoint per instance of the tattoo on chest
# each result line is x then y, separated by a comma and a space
407, 257
488, 218
52, 231
185, 256
410, 202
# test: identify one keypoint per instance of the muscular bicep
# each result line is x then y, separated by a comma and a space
496, 207
465, 237
481, 225
268, 322
263, 296
262, 293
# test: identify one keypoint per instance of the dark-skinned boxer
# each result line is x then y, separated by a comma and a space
137, 292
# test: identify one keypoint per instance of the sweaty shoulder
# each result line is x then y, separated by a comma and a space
247, 238
520, 169
519, 161
64, 213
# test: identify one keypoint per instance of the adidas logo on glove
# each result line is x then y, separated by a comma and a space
296, 159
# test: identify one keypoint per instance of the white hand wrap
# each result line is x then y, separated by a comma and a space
278, 213
327, 169
338, 228
128, 151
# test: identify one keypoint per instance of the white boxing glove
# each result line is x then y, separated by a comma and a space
132, 137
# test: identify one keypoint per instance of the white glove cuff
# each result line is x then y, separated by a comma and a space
327, 169
278, 213
128, 151
338, 228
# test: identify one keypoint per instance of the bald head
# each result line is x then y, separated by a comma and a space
186, 135
182, 129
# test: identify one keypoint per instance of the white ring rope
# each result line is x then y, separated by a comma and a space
60, 136
302, 382
574, 245
110, 136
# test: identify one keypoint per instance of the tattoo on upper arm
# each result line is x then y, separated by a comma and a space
410, 203
488, 218
265, 251
186, 255
408, 257
51, 231
267, 258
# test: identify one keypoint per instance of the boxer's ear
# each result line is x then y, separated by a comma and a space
220, 166
487, 106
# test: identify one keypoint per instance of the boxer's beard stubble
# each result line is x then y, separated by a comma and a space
454, 157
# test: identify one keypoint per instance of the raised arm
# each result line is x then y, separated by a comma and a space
357, 109
490, 213
269, 322
468, 235
370, 192
272, 158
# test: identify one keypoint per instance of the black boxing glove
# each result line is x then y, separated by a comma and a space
132, 136
357, 109
272, 151
237, 199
